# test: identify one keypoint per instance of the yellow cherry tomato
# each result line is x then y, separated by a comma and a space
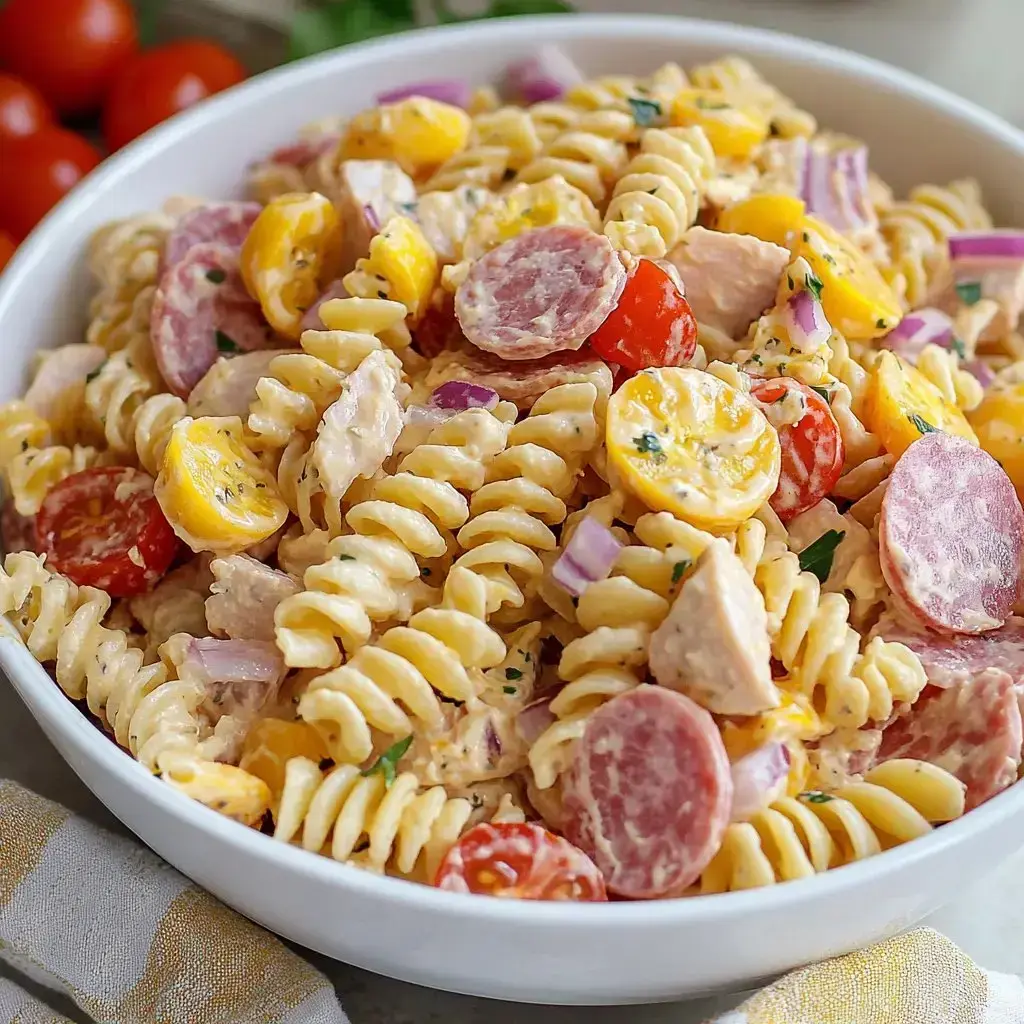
272, 742
418, 133
215, 492
222, 787
855, 296
688, 443
771, 217
734, 130
902, 404
999, 424
289, 251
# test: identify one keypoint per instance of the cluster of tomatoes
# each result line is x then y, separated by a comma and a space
71, 60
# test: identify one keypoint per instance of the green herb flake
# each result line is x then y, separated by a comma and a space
824, 392
425, 572
817, 557
216, 276
814, 285
224, 343
386, 764
679, 568
969, 292
881, 324
922, 425
815, 796
346, 558
513, 673
93, 374
648, 443
702, 103
511, 690
645, 112
958, 347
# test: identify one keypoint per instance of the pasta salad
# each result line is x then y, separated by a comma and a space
601, 488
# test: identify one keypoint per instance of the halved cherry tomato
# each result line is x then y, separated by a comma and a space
7, 247
812, 447
520, 861
159, 83
23, 110
68, 49
35, 172
103, 528
652, 325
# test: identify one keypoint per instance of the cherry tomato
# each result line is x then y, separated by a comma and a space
652, 325
22, 107
36, 171
103, 528
70, 50
521, 861
812, 447
7, 247
159, 83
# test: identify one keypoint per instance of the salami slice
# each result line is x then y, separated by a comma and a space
224, 224
951, 536
521, 382
201, 311
972, 730
543, 291
649, 792
305, 151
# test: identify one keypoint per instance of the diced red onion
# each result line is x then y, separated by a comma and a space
371, 217
928, 326
807, 319
492, 739
455, 91
63, 369
535, 718
758, 779
544, 77
587, 558
981, 370
459, 395
210, 660
994, 245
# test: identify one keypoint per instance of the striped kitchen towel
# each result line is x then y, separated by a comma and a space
101, 919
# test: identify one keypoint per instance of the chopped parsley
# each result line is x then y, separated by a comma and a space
93, 374
346, 558
648, 443
702, 103
513, 673
815, 796
512, 690
969, 292
817, 557
425, 572
958, 347
645, 112
508, 175
814, 285
385, 764
824, 392
216, 276
225, 343
679, 568
923, 426
881, 324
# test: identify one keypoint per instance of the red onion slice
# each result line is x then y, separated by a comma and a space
994, 245
233, 661
458, 395
922, 327
371, 217
807, 321
587, 558
758, 779
982, 371
544, 77
534, 719
455, 91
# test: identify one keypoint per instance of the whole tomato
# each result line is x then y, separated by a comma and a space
159, 83
22, 107
7, 247
35, 172
68, 49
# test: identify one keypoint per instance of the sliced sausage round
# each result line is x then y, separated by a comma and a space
951, 536
202, 311
543, 291
224, 224
648, 794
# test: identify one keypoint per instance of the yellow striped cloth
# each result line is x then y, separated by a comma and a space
104, 921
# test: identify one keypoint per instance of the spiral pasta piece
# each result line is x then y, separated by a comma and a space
942, 368
797, 837
374, 571
660, 192
36, 471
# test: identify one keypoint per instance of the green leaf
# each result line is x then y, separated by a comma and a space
679, 568
648, 442
216, 276
225, 343
969, 292
346, 558
923, 426
385, 764
815, 796
824, 392
817, 557
510, 8
814, 285
511, 689
338, 24
645, 112
513, 673
149, 13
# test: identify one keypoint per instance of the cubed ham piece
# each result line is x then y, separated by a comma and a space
713, 645
730, 280
370, 193
245, 596
229, 386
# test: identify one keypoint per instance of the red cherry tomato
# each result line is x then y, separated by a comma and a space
522, 861
812, 447
652, 325
159, 83
7, 247
36, 171
70, 50
103, 528
22, 107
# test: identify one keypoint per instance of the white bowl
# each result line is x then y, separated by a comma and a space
620, 952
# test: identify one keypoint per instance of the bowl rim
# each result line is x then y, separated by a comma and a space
51, 706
